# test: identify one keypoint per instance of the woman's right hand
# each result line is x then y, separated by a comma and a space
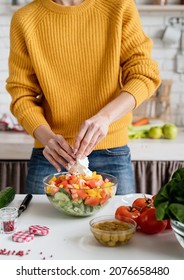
58, 152
56, 149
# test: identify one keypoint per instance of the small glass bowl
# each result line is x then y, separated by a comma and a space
112, 232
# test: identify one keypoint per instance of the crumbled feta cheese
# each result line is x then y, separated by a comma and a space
80, 167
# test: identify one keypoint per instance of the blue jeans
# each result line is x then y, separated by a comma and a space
115, 161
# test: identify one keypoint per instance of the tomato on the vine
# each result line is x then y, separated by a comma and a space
142, 202
127, 211
146, 208
148, 222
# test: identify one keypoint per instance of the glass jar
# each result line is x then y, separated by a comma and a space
8, 219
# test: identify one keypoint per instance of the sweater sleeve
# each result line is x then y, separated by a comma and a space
139, 72
22, 83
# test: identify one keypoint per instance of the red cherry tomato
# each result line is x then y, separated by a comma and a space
127, 211
148, 222
146, 208
142, 202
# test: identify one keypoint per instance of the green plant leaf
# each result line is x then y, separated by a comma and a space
178, 174
163, 195
169, 202
161, 211
176, 211
177, 191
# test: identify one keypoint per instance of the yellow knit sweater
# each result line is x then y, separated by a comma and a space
67, 62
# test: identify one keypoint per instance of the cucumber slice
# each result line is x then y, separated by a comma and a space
61, 198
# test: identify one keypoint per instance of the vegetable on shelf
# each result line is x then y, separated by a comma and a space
141, 121
138, 132
153, 131
169, 202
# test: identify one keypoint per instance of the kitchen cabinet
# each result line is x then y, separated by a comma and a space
153, 161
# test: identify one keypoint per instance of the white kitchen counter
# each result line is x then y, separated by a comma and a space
70, 238
18, 146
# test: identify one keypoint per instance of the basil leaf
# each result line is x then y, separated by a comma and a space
163, 195
177, 191
161, 211
176, 211
169, 202
178, 174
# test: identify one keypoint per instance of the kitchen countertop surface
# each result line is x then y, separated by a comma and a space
18, 146
70, 238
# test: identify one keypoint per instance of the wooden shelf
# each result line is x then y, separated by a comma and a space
159, 8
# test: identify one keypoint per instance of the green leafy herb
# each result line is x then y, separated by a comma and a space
169, 201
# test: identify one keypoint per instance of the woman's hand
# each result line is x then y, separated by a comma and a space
95, 129
56, 149
91, 132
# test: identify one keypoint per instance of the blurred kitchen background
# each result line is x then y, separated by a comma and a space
154, 161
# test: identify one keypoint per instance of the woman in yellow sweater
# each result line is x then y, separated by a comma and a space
77, 69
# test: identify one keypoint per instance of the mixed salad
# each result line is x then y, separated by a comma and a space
79, 195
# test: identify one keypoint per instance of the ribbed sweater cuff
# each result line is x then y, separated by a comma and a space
138, 90
32, 123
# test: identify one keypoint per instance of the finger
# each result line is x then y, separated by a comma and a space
62, 158
79, 137
64, 145
60, 153
84, 136
90, 144
87, 141
54, 147
90, 149
52, 161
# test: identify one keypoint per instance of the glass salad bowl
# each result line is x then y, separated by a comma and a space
178, 229
79, 195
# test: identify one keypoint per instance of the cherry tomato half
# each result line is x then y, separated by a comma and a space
127, 211
148, 222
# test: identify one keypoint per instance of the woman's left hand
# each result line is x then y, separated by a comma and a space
91, 132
